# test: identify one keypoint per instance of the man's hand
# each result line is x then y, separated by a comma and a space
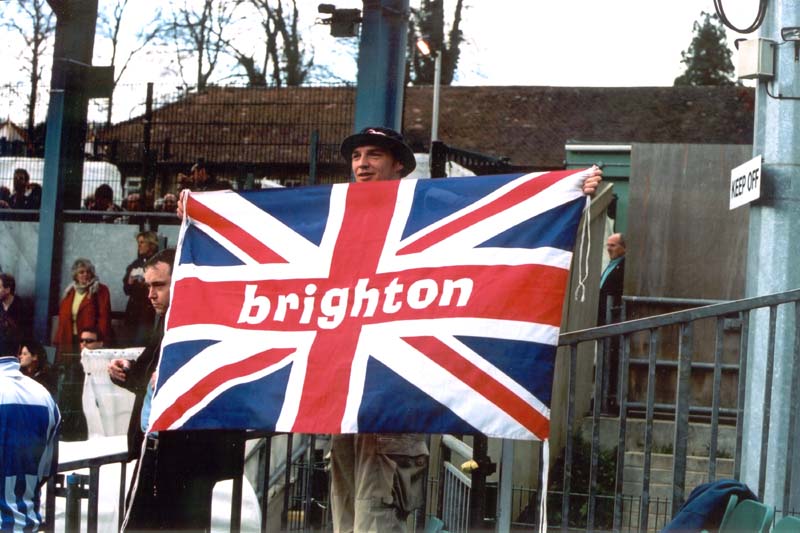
118, 369
592, 181
181, 199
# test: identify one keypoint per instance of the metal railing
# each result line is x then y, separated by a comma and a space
599, 508
653, 328
295, 472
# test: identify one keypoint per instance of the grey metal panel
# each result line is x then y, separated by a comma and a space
685, 243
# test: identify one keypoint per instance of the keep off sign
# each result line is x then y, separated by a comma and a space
745, 183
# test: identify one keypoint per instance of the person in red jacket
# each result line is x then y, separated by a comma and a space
86, 304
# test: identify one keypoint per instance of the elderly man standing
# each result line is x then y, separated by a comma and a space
613, 277
29, 420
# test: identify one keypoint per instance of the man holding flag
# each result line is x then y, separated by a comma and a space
323, 302
377, 479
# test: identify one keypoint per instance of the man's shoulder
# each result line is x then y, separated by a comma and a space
25, 391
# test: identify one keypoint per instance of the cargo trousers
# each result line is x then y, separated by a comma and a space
376, 481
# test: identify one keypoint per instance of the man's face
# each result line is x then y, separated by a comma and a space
170, 202
89, 341
157, 278
373, 163
134, 202
614, 247
199, 175
4, 291
20, 181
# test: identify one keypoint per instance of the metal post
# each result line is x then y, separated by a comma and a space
313, 157
72, 514
147, 153
506, 488
477, 508
381, 64
773, 228
437, 85
63, 157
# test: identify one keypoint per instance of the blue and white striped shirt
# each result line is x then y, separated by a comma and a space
29, 421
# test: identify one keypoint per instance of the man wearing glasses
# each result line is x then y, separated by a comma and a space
89, 339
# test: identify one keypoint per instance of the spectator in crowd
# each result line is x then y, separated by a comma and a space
90, 339
13, 306
33, 363
612, 279
104, 201
609, 311
133, 203
25, 196
177, 470
86, 303
184, 182
139, 314
170, 203
5, 196
205, 181
30, 421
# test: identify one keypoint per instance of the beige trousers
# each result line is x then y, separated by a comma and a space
376, 481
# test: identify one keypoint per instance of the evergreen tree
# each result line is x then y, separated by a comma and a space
708, 58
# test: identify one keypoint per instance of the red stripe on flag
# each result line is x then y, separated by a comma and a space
483, 383
232, 232
510, 199
212, 381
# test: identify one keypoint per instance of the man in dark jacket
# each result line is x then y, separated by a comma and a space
139, 314
612, 279
177, 470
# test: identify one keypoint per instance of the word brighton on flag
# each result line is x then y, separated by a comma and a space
428, 306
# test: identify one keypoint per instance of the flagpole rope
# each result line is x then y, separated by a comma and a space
583, 264
543, 488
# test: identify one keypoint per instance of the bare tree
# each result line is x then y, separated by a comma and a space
110, 25
34, 22
285, 60
428, 22
197, 30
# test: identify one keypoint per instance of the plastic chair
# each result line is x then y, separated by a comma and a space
787, 524
748, 516
732, 501
435, 525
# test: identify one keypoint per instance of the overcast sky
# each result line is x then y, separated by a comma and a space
579, 42
508, 42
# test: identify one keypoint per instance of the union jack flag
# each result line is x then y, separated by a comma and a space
429, 306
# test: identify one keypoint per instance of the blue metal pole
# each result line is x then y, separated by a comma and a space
63, 161
381, 64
